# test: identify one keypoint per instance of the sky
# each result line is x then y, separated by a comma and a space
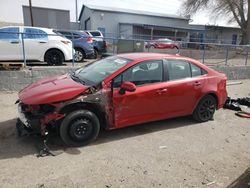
161, 6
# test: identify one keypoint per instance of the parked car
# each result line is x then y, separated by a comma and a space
40, 44
121, 91
99, 43
163, 43
83, 44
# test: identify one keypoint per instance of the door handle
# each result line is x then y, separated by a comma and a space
42, 42
163, 90
14, 42
197, 83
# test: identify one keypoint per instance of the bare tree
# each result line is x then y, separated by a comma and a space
235, 10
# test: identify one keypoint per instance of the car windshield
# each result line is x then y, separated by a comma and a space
99, 70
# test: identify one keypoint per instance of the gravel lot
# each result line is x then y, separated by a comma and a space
170, 153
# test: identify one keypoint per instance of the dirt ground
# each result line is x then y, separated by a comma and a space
170, 153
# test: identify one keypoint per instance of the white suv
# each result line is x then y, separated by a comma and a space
40, 44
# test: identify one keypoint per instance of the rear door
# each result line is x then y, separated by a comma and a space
184, 87
35, 43
10, 44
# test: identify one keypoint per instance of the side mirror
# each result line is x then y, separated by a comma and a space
127, 86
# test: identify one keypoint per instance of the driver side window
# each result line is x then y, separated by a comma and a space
144, 73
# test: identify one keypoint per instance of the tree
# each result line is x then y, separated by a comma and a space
236, 10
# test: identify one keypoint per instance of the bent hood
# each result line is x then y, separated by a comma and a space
55, 89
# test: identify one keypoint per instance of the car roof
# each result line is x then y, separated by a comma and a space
92, 31
71, 31
48, 30
139, 56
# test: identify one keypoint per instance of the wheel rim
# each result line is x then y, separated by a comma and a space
54, 58
80, 129
207, 109
78, 55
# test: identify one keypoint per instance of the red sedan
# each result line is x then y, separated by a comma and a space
121, 91
163, 44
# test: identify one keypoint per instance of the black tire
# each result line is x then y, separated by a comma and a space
95, 54
79, 128
54, 57
79, 55
205, 109
177, 49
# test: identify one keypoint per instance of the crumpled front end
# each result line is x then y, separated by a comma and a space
36, 119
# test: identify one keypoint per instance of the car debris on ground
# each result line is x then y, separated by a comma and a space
237, 105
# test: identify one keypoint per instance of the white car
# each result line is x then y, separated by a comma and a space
40, 44
95, 34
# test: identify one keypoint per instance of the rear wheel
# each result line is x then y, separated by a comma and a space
54, 57
95, 54
79, 128
205, 109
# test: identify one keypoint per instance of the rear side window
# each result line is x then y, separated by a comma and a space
68, 35
95, 34
31, 33
9, 33
178, 69
196, 71
76, 36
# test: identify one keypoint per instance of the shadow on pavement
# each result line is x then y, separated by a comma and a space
243, 181
13, 146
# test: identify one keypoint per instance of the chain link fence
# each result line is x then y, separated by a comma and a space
213, 54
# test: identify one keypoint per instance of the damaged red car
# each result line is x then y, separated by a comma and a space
120, 91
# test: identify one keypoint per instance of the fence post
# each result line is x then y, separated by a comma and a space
226, 56
203, 56
247, 56
113, 41
24, 57
148, 45
73, 54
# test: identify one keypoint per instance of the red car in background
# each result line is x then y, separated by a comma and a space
120, 91
163, 43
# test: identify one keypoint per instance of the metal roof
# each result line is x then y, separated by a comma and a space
129, 11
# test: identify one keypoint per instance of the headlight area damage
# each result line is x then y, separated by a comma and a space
37, 119
43, 118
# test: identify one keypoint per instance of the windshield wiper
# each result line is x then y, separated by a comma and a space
76, 78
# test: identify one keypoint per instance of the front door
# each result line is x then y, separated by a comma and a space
141, 105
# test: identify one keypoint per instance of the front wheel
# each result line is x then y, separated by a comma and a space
79, 128
205, 109
79, 55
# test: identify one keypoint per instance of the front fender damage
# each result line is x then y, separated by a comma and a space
35, 120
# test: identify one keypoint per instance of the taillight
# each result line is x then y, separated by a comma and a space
65, 41
105, 44
89, 40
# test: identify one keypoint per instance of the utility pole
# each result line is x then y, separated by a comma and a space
76, 11
31, 14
